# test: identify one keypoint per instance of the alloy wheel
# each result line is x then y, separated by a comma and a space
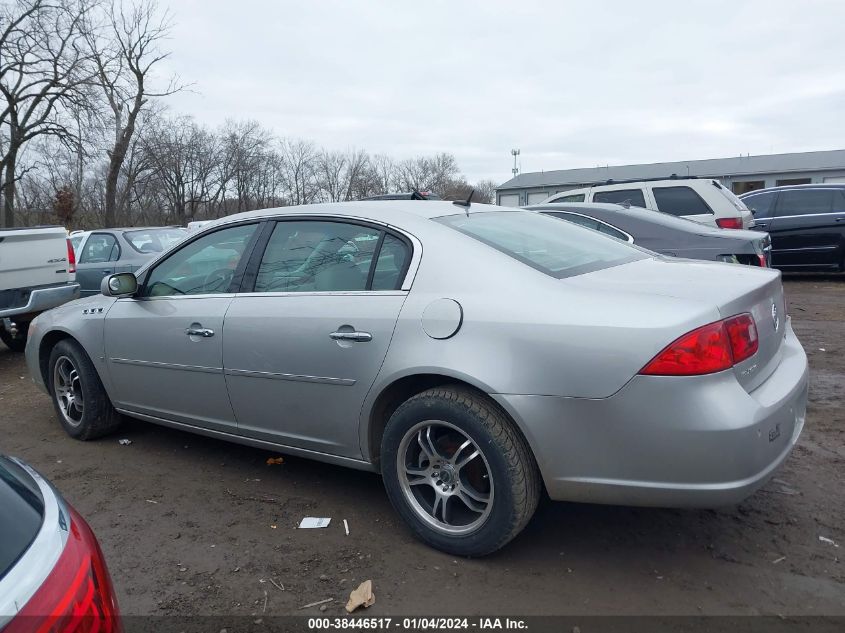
67, 389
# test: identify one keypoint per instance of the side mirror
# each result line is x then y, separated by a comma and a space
119, 285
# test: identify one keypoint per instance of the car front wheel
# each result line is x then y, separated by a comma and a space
79, 398
458, 472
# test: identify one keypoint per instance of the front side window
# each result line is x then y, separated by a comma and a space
325, 256
205, 266
631, 197
761, 204
680, 201
555, 248
100, 248
805, 201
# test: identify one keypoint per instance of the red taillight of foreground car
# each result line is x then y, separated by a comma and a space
77, 596
729, 223
71, 258
708, 349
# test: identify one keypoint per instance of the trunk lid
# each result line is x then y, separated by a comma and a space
730, 288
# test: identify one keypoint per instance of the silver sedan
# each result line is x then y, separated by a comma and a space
474, 356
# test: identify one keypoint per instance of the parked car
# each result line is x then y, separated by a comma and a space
77, 239
664, 233
475, 355
703, 200
53, 576
37, 272
107, 251
806, 222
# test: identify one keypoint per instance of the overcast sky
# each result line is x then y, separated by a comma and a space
572, 84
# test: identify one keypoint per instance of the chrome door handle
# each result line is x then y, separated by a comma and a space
199, 331
760, 224
360, 337
840, 219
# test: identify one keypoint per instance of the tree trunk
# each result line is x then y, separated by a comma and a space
8, 212
116, 160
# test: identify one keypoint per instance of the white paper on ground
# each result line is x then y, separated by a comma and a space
314, 522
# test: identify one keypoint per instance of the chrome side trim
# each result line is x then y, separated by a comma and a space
349, 462
803, 215
806, 248
32, 569
326, 380
327, 293
150, 363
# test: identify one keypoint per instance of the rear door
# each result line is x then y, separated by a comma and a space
97, 259
304, 345
808, 228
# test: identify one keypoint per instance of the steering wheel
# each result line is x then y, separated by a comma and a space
218, 280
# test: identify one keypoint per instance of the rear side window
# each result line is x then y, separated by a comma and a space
680, 201
577, 197
613, 232
761, 204
631, 197
558, 249
581, 220
805, 201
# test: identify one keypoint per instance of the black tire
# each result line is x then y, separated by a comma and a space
514, 479
14, 343
97, 416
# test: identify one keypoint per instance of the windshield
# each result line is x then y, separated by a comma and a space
559, 249
154, 240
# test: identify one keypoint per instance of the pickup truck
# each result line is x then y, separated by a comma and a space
37, 272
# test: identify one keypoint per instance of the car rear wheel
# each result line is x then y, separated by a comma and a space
458, 472
17, 341
79, 398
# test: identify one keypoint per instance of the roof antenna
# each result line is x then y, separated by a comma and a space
465, 203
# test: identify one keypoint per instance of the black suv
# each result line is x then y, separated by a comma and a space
806, 222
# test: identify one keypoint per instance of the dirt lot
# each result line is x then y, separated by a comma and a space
191, 525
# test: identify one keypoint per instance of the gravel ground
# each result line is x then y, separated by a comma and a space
191, 525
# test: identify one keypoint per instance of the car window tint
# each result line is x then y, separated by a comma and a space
100, 248
680, 201
578, 197
556, 248
632, 197
391, 263
761, 204
204, 266
581, 220
614, 232
805, 201
313, 256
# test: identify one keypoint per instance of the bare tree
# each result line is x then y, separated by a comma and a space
42, 70
125, 51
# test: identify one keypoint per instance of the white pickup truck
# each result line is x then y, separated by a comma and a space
37, 272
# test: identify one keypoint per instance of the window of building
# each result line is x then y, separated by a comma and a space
793, 181
745, 186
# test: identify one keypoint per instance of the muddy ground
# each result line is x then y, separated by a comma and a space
191, 525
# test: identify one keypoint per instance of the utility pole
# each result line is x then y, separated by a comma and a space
515, 170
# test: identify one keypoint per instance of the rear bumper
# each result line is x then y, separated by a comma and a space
42, 299
668, 441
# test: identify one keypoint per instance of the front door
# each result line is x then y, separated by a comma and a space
302, 349
96, 261
165, 346
807, 228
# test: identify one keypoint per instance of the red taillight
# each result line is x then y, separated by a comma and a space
77, 596
763, 262
71, 258
729, 223
742, 333
708, 349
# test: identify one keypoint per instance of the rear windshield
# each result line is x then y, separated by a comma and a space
21, 513
154, 240
559, 249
